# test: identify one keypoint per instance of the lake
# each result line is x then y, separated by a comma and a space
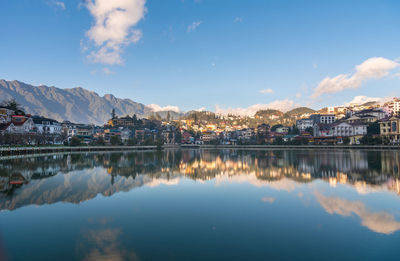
202, 205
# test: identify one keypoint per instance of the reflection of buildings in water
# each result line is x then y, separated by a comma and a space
125, 171
390, 161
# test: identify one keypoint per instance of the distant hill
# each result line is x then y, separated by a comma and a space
298, 112
75, 104
268, 113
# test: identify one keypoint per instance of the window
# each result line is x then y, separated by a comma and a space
394, 126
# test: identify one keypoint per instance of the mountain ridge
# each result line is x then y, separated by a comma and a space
74, 104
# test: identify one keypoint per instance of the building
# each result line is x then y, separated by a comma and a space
354, 131
390, 128
208, 136
187, 138
47, 126
68, 129
323, 118
394, 106
303, 124
263, 129
20, 124
362, 119
322, 130
379, 114
84, 130
126, 121
125, 134
5, 115
108, 133
248, 134
282, 130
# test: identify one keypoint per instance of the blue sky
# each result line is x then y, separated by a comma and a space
217, 54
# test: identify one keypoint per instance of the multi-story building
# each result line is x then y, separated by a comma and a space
390, 128
208, 136
353, 130
84, 130
361, 119
323, 118
5, 115
47, 126
68, 129
394, 106
282, 130
379, 114
21, 124
303, 124
126, 121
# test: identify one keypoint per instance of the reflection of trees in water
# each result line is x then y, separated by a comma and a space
370, 167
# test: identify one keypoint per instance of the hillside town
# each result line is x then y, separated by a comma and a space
369, 123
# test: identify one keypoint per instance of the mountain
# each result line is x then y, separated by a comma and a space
268, 113
75, 104
298, 112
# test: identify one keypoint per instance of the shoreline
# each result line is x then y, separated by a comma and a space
6, 152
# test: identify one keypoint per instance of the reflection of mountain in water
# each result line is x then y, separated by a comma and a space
80, 177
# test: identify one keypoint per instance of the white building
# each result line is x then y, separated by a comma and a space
377, 113
5, 115
19, 124
47, 126
394, 106
323, 118
344, 129
303, 124
282, 130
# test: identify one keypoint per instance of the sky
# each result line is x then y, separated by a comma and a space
220, 55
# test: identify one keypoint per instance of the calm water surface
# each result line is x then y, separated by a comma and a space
202, 205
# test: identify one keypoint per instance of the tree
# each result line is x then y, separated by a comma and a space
115, 140
294, 130
168, 117
132, 142
100, 141
310, 130
75, 141
346, 140
278, 141
134, 119
178, 136
373, 129
113, 116
13, 105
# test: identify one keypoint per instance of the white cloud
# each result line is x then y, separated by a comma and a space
373, 68
60, 4
358, 100
380, 222
160, 181
238, 20
107, 71
397, 74
113, 28
268, 199
193, 26
283, 184
201, 109
267, 91
282, 105
298, 95
156, 107
56, 4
